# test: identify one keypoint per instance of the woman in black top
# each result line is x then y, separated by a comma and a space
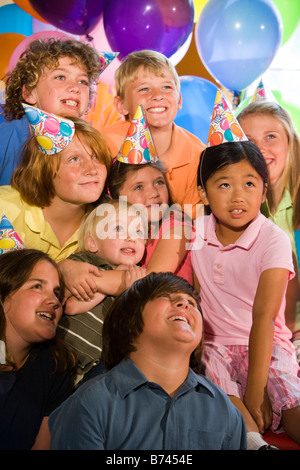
35, 366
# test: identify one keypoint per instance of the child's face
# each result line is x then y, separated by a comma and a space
234, 194
148, 187
63, 91
81, 177
270, 137
157, 94
120, 239
33, 311
172, 320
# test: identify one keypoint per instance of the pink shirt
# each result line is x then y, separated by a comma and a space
229, 276
185, 268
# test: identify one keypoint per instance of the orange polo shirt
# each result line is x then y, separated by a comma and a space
182, 163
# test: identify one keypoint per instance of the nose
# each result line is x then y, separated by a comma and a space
237, 194
73, 86
90, 166
182, 303
157, 94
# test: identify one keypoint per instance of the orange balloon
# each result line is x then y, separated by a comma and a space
8, 43
25, 5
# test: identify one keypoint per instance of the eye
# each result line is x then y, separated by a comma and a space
119, 229
224, 185
139, 187
37, 286
84, 82
59, 77
250, 184
160, 182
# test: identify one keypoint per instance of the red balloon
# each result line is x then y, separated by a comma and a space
73, 16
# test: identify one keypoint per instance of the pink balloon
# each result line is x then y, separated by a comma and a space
52, 125
38, 26
25, 43
100, 42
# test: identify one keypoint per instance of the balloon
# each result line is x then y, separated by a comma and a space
22, 46
179, 55
73, 16
290, 14
198, 99
25, 5
14, 20
38, 26
198, 7
237, 40
8, 43
151, 24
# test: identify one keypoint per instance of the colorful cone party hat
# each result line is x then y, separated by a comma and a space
53, 133
138, 145
224, 127
106, 58
261, 94
9, 239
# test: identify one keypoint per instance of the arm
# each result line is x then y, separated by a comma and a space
268, 298
42, 441
80, 278
170, 250
73, 306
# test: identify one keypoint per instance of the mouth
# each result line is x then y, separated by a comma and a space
269, 161
158, 109
128, 251
180, 318
237, 211
46, 316
72, 103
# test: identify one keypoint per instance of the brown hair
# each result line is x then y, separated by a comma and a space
124, 321
291, 176
35, 58
15, 269
34, 176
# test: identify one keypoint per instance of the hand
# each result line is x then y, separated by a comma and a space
78, 277
133, 273
260, 409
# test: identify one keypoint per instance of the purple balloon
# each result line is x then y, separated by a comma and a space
74, 16
160, 25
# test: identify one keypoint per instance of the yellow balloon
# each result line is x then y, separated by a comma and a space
45, 142
198, 7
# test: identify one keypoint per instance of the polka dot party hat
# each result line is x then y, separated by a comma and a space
261, 94
138, 145
53, 133
224, 127
9, 239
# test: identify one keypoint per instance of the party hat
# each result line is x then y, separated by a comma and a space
261, 94
9, 239
53, 133
106, 58
224, 127
138, 145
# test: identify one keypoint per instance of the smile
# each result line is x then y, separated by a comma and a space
46, 315
70, 103
179, 318
157, 110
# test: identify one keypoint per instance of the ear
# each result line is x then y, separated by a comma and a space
202, 194
180, 101
29, 96
264, 193
91, 245
120, 106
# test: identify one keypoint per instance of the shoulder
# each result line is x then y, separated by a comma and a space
182, 133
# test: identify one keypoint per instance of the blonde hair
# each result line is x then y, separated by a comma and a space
34, 176
152, 61
291, 173
88, 226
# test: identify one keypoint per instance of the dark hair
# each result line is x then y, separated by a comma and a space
15, 269
124, 321
219, 156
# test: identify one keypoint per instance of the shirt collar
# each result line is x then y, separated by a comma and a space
129, 378
284, 204
245, 241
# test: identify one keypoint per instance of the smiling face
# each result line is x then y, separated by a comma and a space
63, 91
81, 176
169, 321
156, 93
32, 312
269, 135
234, 194
147, 186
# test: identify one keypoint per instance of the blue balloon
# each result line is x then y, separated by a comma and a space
198, 99
15, 20
237, 40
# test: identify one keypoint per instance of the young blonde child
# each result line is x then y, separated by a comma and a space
148, 78
112, 237
243, 262
56, 75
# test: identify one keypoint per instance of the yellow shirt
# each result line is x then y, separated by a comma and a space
31, 226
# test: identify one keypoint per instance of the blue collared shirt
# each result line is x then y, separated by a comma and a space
121, 410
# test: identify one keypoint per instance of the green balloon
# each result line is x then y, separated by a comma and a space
290, 15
